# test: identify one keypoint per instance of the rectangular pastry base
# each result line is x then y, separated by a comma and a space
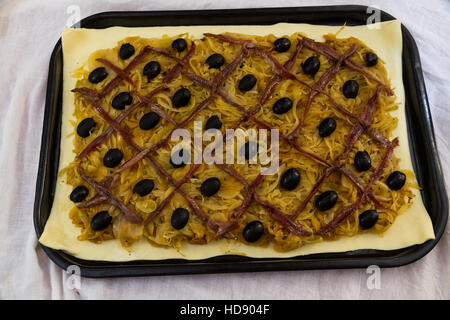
411, 227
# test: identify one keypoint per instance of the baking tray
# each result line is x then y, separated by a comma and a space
420, 130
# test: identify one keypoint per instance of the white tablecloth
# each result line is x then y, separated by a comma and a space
28, 33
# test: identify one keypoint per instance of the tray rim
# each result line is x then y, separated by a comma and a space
351, 259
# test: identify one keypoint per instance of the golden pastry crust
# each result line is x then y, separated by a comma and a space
412, 227
232, 194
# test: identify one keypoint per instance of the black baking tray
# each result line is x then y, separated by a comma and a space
420, 130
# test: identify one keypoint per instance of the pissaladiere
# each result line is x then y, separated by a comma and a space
126, 189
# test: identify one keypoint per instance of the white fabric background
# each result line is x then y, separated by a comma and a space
28, 33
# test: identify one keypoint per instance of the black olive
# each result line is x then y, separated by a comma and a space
371, 59
215, 61
368, 219
247, 82
282, 44
179, 44
327, 127
85, 127
149, 120
249, 149
210, 187
350, 89
396, 180
97, 75
326, 200
362, 161
79, 194
311, 65
121, 100
144, 187
253, 231
126, 51
151, 70
180, 218
101, 221
213, 123
282, 105
290, 179
112, 158
181, 98
181, 162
